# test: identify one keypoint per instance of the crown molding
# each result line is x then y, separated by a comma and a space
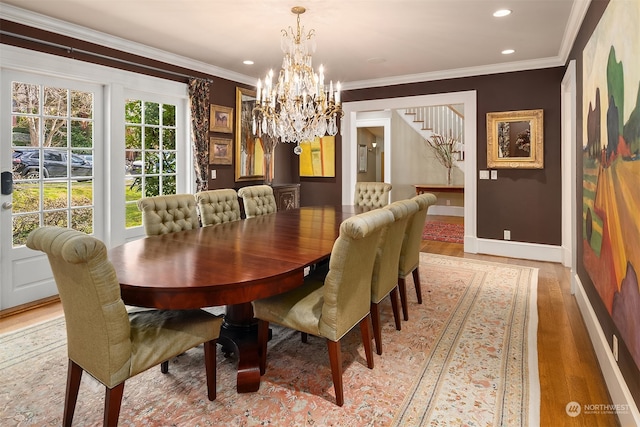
457, 73
57, 26
578, 12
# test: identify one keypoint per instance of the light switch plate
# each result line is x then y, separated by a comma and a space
484, 174
494, 174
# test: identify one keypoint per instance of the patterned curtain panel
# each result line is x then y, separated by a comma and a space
199, 98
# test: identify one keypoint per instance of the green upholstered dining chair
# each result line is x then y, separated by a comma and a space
332, 307
218, 206
372, 194
105, 340
168, 213
258, 200
410, 252
385, 269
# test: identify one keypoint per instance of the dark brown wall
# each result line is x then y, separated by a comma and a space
527, 202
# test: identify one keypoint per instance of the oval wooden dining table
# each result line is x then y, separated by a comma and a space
230, 265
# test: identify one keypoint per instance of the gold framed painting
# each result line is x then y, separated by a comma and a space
220, 151
249, 164
515, 140
220, 119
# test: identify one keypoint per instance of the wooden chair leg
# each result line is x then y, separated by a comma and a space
210, 368
112, 402
263, 337
74, 375
377, 330
335, 358
394, 307
416, 281
164, 367
403, 298
365, 325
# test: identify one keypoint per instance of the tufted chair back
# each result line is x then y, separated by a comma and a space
168, 214
102, 337
410, 252
372, 194
218, 206
257, 200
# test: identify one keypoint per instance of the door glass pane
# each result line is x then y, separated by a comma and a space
50, 178
26, 98
22, 226
55, 102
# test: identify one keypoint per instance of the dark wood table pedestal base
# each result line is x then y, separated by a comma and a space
239, 335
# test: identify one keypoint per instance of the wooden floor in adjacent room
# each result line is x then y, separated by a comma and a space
567, 362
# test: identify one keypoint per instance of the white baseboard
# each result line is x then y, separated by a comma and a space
446, 210
618, 390
506, 248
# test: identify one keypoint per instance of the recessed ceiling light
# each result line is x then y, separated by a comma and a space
247, 62
508, 51
502, 12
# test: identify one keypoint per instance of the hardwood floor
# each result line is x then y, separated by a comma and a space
567, 363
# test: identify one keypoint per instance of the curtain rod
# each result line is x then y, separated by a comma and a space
71, 50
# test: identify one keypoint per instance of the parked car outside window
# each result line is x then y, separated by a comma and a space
26, 164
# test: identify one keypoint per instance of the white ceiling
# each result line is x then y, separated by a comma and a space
360, 42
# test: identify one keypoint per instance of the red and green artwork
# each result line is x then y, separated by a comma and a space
611, 166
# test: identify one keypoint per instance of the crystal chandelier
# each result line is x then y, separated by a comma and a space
297, 106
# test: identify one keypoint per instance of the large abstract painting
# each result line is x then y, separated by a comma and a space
611, 166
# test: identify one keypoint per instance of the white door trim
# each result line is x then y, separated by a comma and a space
350, 142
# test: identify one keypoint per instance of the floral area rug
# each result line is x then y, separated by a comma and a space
467, 356
443, 232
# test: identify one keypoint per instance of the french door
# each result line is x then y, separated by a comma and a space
51, 143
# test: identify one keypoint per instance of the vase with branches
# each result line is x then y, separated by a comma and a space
444, 148
268, 145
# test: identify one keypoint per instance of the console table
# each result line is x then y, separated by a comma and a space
438, 188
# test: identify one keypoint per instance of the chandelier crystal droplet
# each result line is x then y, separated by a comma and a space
297, 106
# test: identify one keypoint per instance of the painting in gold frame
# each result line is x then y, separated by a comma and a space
318, 157
249, 162
220, 151
220, 119
515, 140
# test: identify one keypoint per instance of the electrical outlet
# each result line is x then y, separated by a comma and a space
448, 202
615, 348
507, 234
213, 174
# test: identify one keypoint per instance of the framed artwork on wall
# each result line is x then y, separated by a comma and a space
318, 157
220, 151
515, 140
249, 164
362, 158
220, 119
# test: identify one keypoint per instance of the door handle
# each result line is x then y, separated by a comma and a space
7, 205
